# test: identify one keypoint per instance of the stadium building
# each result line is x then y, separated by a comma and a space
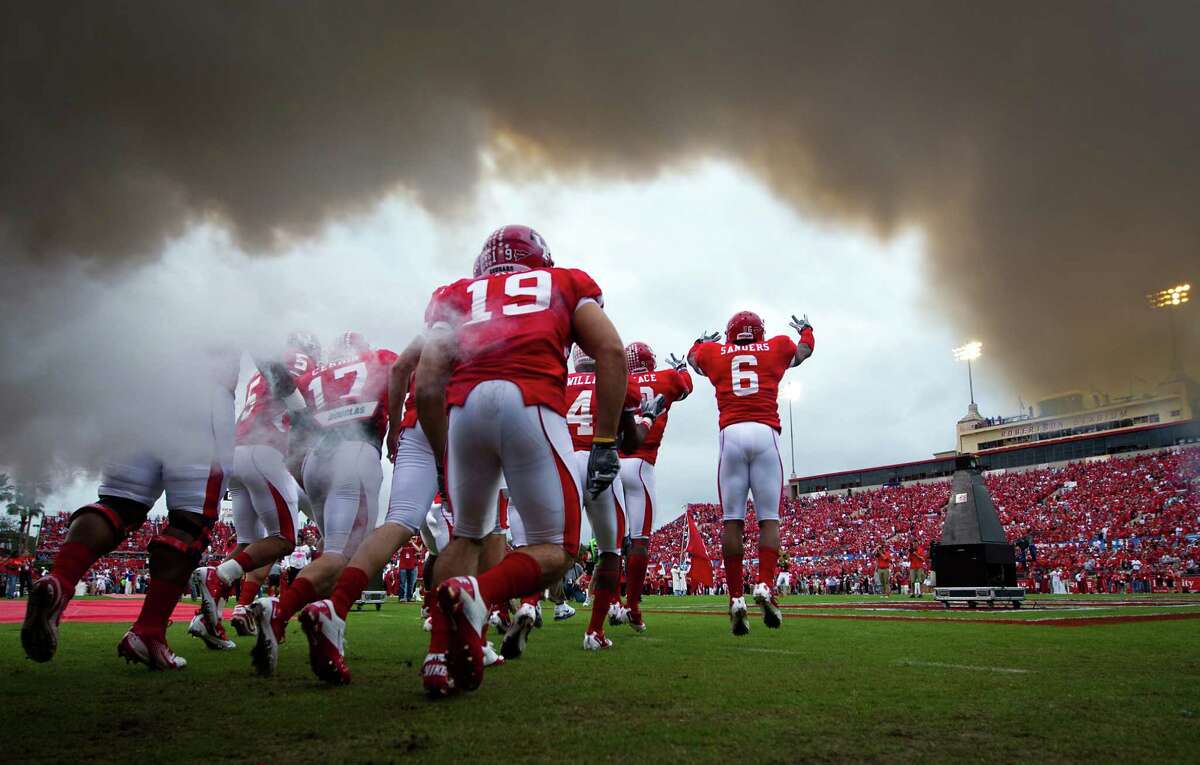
1066, 427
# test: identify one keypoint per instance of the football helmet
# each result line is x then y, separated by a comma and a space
745, 327
510, 249
639, 357
350, 343
581, 361
304, 342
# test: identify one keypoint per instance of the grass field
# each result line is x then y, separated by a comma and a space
820, 689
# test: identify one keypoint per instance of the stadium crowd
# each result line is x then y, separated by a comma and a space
1116, 525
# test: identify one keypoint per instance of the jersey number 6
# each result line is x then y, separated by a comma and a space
745, 380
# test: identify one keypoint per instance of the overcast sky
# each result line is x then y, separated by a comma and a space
675, 256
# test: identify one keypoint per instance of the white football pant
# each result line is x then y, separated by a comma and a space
750, 463
266, 499
343, 480
637, 479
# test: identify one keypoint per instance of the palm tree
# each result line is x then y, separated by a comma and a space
23, 504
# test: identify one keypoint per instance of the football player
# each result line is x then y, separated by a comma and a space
265, 495
673, 384
490, 392
342, 475
606, 512
189, 461
745, 372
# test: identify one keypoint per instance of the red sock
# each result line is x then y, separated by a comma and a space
161, 598
245, 561
71, 563
768, 558
532, 599
635, 569
733, 576
517, 574
248, 592
606, 585
299, 594
350, 586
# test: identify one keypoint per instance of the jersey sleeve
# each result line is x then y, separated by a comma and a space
702, 352
387, 358
633, 397
444, 309
683, 384
584, 289
786, 348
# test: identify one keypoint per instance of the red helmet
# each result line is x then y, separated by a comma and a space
512, 248
349, 343
639, 357
745, 327
581, 361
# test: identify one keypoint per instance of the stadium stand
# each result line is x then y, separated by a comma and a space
1113, 525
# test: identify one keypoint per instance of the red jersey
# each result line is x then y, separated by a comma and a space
674, 386
264, 418
746, 377
581, 389
409, 420
349, 396
515, 327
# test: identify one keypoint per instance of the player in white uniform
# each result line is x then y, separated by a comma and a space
188, 457
495, 360
265, 495
342, 475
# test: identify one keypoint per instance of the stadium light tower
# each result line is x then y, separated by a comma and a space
968, 353
791, 391
1169, 300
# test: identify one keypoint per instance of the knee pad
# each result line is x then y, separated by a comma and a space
193, 525
125, 516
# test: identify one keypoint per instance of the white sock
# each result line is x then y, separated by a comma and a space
230, 571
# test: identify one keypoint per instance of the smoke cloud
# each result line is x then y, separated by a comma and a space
1048, 151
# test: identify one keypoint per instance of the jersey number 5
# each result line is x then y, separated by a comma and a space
532, 284
745, 379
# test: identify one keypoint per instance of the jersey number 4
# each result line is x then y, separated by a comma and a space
745, 378
579, 414
532, 284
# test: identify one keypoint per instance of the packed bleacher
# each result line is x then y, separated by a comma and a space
1117, 525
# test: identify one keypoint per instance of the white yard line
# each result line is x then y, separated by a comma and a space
973, 668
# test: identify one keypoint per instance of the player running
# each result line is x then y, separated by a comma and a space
265, 495
673, 384
606, 512
745, 372
491, 397
189, 459
342, 476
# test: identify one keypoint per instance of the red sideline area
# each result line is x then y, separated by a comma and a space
124, 609
1063, 621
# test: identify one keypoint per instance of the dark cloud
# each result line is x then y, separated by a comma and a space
1049, 150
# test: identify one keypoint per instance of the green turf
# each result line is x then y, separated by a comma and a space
817, 690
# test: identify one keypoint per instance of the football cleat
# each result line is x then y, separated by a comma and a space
562, 612
595, 641
772, 616
490, 657
739, 622
153, 652
435, 678
537, 616
634, 620
265, 654
617, 615
39, 631
215, 641
212, 592
518, 633
242, 621
427, 624
326, 633
466, 613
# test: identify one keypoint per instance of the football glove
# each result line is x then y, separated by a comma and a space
709, 337
799, 324
676, 362
604, 465
653, 407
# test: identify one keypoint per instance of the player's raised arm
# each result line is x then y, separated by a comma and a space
807, 343
398, 378
600, 340
693, 357
283, 385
